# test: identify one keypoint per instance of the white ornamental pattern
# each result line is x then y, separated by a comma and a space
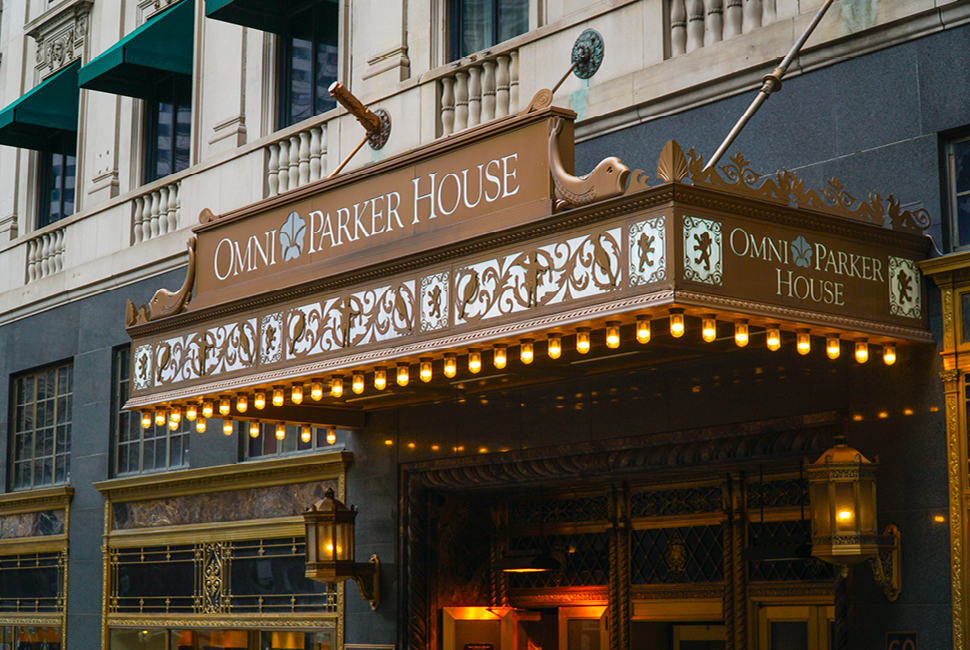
905, 283
434, 302
702, 251
647, 247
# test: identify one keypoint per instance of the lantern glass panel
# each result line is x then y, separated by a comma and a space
821, 510
846, 515
345, 542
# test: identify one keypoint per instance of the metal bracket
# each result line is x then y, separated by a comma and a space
368, 579
885, 565
587, 54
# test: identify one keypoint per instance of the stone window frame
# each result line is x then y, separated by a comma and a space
59, 427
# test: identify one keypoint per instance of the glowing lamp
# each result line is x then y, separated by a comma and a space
146, 419
643, 329
242, 402
554, 348
676, 323
280, 430
191, 411
889, 354
424, 370
207, 409
474, 360
306, 433
357, 383
862, 350
316, 389
259, 400
613, 334
380, 378
803, 341
296, 393
331, 435
224, 406
833, 348
526, 351
200, 425
773, 337
403, 374
337, 386
741, 333
227, 426
159, 418
708, 328
451, 365
500, 356
254, 429
582, 340
278, 396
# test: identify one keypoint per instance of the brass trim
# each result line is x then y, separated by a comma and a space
36, 500
206, 532
244, 621
20, 545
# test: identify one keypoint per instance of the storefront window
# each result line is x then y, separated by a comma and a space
267, 444
29, 637
175, 639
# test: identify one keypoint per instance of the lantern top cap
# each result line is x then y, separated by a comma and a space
329, 504
842, 454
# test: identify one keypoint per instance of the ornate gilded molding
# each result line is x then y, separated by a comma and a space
955, 469
60, 35
247, 621
164, 302
36, 500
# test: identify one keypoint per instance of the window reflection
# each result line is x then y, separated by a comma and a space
309, 63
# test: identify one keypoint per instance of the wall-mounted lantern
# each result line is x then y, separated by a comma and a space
330, 548
842, 489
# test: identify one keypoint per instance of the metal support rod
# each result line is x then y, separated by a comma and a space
347, 159
564, 77
367, 118
772, 82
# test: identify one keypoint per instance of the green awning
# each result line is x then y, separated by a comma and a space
265, 15
39, 118
131, 66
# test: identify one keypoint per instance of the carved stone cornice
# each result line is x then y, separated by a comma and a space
36, 500
949, 378
61, 35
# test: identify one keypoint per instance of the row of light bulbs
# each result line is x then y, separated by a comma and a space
803, 343
173, 416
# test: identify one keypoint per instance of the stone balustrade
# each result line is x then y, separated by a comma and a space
480, 91
697, 23
156, 213
296, 160
45, 254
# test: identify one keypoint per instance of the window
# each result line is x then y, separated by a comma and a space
137, 450
308, 61
168, 122
267, 445
42, 428
480, 24
57, 180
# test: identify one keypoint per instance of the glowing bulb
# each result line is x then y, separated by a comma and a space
643, 329
582, 340
555, 346
526, 351
832, 347
803, 341
424, 371
254, 429
159, 418
227, 426
676, 323
474, 360
337, 386
613, 334
331, 435
500, 356
862, 350
357, 383
741, 333
259, 400
773, 338
403, 375
316, 389
224, 406
173, 424
296, 393
306, 434
889, 354
242, 402
200, 425
176, 415
380, 378
207, 409
146, 419
278, 396
708, 328
280, 430
191, 411
451, 366
844, 515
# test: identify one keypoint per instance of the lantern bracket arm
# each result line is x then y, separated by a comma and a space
367, 575
885, 564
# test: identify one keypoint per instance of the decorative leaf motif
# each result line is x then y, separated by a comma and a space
291, 236
801, 252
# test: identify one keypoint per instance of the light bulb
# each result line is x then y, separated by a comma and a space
176, 415
380, 378
889, 354
207, 409
159, 418
280, 430
306, 434
357, 383
331, 435
451, 365
224, 406
582, 340
500, 356
146, 419
191, 411
613, 334
254, 429
200, 425
555, 346
173, 424
832, 347
526, 351
425, 372
259, 400
278, 396
337, 385
741, 333
242, 402
708, 328
316, 389
676, 323
844, 515
643, 329
773, 337
403, 374
803, 341
474, 360
862, 350
227, 426
296, 393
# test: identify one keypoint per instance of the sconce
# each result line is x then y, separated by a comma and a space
842, 490
330, 548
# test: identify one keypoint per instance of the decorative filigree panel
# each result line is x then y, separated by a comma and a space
435, 301
905, 288
647, 248
677, 555
585, 509
271, 336
702, 250
141, 376
783, 493
585, 560
665, 503
211, 560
